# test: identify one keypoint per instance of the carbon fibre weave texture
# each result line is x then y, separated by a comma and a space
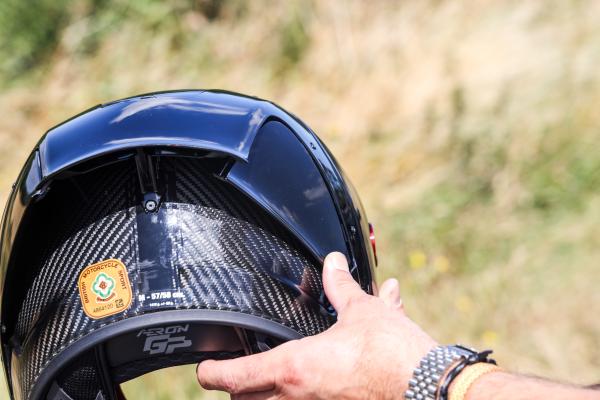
228, 255
81, 380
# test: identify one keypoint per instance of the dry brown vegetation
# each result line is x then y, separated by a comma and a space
471, 129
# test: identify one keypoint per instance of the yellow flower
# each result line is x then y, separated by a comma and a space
489, 338
417, 259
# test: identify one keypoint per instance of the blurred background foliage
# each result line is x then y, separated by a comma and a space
471, 130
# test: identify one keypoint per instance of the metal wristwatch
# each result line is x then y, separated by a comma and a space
431, 379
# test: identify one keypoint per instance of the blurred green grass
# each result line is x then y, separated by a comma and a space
469, 128
171, 383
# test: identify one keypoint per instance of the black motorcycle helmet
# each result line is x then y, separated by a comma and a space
166, 229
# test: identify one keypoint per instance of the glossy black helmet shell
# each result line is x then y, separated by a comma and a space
220, 209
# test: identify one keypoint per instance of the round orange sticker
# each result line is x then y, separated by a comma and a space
104, 289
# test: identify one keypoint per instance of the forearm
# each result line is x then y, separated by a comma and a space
504, 386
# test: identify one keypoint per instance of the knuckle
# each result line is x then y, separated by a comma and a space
228, 383
294, 372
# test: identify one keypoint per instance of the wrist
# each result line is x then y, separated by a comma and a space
406, 353
408, 364
460, 387
436, 372
485, 385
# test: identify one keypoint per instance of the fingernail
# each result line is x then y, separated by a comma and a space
338, 261
396, 292
398, 302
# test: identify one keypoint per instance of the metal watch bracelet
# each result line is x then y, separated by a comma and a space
433, 376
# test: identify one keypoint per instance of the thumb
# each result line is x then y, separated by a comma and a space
338, 283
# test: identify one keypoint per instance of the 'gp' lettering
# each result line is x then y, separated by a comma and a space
161, 341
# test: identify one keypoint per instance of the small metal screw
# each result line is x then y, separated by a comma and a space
3, 329
150, 205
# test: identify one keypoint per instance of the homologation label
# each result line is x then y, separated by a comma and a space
104, 289
162, 299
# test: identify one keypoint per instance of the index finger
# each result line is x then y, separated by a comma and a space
254, 373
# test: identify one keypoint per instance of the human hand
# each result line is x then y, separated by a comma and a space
370, 352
